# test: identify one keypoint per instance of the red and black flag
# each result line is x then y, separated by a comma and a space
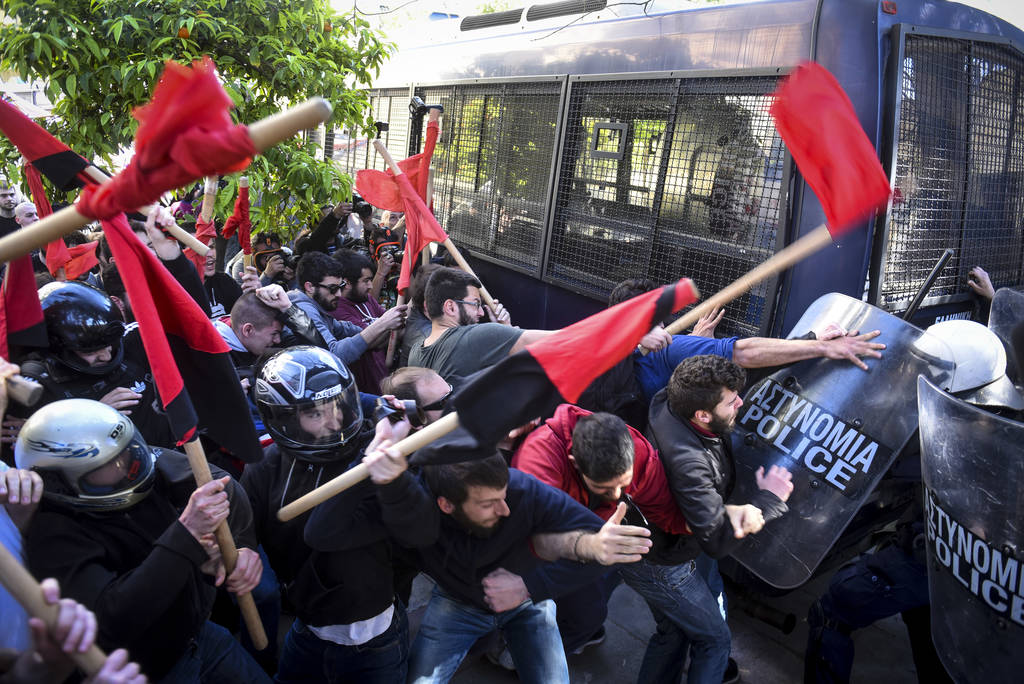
189, 359
556, 369
65, 170
820, 127
54, 159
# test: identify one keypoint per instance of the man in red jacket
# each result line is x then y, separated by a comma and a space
598, 460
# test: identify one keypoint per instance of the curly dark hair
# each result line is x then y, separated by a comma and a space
696, 384
628, 289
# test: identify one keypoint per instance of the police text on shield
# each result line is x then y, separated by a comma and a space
983, 569
806, 433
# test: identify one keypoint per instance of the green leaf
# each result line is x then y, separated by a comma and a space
115, 30
72, 85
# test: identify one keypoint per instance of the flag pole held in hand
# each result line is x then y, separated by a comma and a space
264, 134
228, 550
528, 384
23, 587
355, 475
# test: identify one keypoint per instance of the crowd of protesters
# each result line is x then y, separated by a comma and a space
633, 485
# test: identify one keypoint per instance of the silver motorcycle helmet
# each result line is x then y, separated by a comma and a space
88, 454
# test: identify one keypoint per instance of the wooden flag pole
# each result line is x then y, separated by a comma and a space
354, 476
778, 262
228, 550
209, 199
264, 134
429, 200
393, 339
243, 182
449, 245
23, 587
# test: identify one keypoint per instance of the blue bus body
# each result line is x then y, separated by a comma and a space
582, 149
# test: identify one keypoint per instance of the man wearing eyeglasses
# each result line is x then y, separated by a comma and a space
457, 347
320, 278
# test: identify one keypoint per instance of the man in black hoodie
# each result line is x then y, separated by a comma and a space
689, 424
124, 530
471, 524
349, 626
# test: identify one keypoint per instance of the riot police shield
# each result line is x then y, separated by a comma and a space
836, 427
972, 462
1004, 319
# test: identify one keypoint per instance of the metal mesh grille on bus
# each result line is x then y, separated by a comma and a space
492, 166
959, 159
667, 178
353, 151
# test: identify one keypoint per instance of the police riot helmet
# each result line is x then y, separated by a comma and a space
309, 402
89, 455
80, 318
979, 377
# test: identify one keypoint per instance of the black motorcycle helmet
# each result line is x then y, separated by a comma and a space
309, 403
81, 318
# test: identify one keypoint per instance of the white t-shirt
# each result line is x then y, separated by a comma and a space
14, 625
357, 633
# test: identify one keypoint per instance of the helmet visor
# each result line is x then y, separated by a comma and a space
130, 468
96, 337
321, 423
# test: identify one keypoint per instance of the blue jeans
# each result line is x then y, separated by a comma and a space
381, 660
215, 658
450, 628
688, 616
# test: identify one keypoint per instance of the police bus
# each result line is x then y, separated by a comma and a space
586, 142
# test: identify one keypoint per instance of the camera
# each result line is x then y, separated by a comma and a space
361, 207
393, 250
408, 410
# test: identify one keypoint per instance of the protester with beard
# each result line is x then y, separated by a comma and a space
689, 424
359, 305
455, 347
349, 627
9, 197
470, 523
320, 282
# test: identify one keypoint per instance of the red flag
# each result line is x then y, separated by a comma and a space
421, 228
54, 159
189, 359
559, 367
184, 132
379, 188
239, 220
817, 122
